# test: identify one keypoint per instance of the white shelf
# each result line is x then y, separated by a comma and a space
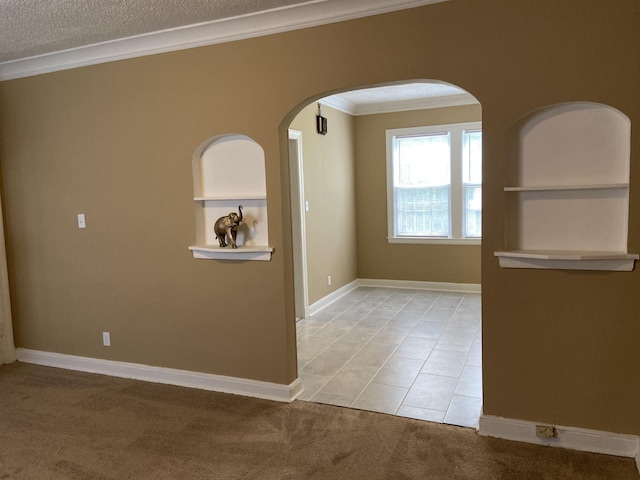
551, 188
227, 198
567, 260
241, 253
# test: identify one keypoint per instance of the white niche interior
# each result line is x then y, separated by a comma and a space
229, 171
567, 192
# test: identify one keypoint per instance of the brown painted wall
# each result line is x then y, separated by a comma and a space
329, 187
114, 141
377, 258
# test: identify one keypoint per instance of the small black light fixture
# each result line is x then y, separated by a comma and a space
321, 122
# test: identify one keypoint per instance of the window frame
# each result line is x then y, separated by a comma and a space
456, 198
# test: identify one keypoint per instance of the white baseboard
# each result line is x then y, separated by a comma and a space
169, 376
418, 285
407, 284
332, 297
573, 438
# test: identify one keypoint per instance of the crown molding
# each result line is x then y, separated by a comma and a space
399, 106
338, 103
419, 104
295, 17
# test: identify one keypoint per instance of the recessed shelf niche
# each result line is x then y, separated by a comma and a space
567, 192
229, 171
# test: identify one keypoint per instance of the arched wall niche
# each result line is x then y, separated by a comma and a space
229, 171
567, 189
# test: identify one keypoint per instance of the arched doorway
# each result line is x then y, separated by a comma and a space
388, 341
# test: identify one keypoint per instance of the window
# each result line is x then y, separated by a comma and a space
434, 177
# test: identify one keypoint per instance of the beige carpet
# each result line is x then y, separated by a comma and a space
58, 424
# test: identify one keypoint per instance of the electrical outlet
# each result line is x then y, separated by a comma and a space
106, 339
329, 280
546, 431
81, 221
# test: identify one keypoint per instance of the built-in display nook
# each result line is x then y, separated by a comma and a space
229, 172
567, 189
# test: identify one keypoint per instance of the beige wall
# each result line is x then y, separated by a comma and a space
377, 258
329, 187
115, 141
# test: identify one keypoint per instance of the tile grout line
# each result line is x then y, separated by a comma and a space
445, 412
394, 291
350, 358
378, 329
383, 363
365, 344
459, 376
425, 362
465, 361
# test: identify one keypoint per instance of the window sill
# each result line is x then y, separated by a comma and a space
434, 241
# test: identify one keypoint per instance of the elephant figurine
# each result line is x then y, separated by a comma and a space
227, 226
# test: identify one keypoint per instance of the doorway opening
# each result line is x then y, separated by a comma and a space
388, 321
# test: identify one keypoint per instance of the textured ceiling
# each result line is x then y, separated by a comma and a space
35, 27
32, 28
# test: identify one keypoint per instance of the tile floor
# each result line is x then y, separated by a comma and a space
412, 353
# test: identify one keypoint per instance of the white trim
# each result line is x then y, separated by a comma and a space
345, 106
169, 376
339, 103
455, 132
419, 285
420, 104
568, 260
404, 284
564, 188
294, 17
298, 224
434, 241
240, 253
332, 297
573, 438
